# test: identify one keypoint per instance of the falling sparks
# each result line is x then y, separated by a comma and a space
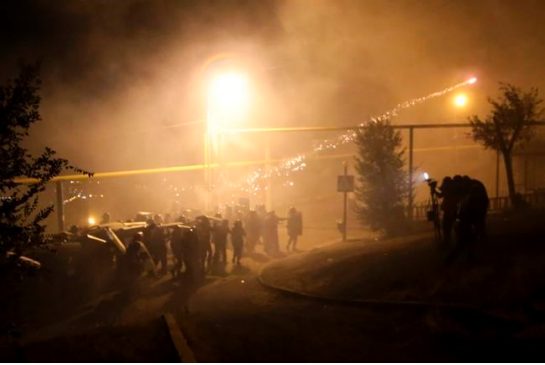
253, 183
297, 163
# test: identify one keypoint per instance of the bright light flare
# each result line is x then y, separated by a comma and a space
228, 96
91, 221
460, 100
425, 176
472, 80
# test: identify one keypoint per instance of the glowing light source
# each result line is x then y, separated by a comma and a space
227, 97
472, 80
460, 100
426, 176
91, 221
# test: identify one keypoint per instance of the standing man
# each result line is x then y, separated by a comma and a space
295, 228
192, 256
449, 206
253, 230
237, 239
156, 240
219, 236
270, 233
160, 242
178, 247
204, 231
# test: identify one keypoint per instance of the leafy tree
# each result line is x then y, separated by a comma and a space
510, 124
382, 183
20, 216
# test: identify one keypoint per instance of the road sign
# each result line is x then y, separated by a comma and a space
345, 183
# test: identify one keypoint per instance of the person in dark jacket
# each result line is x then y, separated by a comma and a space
219, 236
270, 233
178, 246
159, 243
193, 256
471, 217
449, 206
237, 240
204, 230
295, 228
253, 230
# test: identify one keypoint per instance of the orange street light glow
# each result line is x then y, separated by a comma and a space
227, 102
460, 100
228, 93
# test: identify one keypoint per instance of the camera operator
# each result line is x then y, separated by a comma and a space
449, 206
433, 214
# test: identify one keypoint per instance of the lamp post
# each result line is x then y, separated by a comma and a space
460, 102
226, 104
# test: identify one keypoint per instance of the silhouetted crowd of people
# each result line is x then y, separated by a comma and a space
200, 245
464, 205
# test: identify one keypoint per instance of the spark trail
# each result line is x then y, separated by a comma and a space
297, 163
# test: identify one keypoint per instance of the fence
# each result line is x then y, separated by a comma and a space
535, 199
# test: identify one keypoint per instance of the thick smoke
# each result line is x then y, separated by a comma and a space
123, 80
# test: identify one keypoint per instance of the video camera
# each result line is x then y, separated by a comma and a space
431, 183
433, 213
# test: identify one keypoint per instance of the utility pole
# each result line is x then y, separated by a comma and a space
268, 168
410, 198
345, 202
497, 173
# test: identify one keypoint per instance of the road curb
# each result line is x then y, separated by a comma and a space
365, 302
368, 302
185, 354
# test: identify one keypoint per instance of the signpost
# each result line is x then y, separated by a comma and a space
345, 185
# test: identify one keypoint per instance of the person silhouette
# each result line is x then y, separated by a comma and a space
237, 240
294, 227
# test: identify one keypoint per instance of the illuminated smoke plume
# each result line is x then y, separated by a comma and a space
297, 163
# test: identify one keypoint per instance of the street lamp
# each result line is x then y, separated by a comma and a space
460, 100
227, 102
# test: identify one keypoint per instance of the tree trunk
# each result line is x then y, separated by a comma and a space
508, 160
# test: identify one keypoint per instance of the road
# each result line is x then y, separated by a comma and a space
234, 318
237, 319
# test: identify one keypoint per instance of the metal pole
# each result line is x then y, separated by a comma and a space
345, 203
525, 174
60, 206
206, 172
497, 173
268, 190
410, 198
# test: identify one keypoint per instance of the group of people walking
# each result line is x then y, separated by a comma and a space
262, 227
199, 245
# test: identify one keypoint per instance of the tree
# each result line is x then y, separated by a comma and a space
20, 216
510, 124
382, 184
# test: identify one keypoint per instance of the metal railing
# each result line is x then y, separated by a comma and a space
534, 199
